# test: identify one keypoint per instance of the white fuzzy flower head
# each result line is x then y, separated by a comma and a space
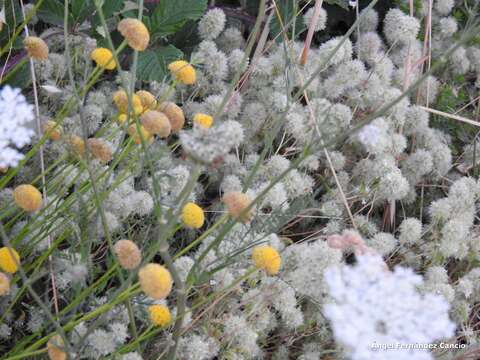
400, 28
443, 7
373, 305
369, 135
212, 24
368, 20
322, 19
15, 116
210, 144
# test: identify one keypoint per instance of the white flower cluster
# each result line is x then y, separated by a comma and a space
371, 305
16, 125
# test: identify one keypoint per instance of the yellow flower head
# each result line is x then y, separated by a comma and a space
160, 315
121, 118
9, 260
193, 216
4, 284
183, 72
135, 32
53, 130
267, 258
120, 98
100, 149
128, 254
236, 203
155, 281
137, 136
147, 99
156, 123
203, 120
54, 348
27, 197
36, 48
174, 113
103, 57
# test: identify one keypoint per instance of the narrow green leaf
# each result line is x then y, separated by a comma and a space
152, 64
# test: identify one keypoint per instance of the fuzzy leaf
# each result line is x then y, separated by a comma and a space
152, 64
170, 15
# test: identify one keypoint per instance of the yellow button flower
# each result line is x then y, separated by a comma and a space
36, 48
183, 72
203, 120
193, 216
103, 57
155, 281
27, 197
135, 32
267, 258
9, 260
160, 315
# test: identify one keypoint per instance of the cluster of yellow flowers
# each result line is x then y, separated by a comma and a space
155, 119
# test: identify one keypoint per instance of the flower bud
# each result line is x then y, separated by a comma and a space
100, 149
53, 130
27, 197
128, 254
156, 123
135, 32
54, 348
155, 281
36, 48
4, 284
147, 99
236, 203
174, 114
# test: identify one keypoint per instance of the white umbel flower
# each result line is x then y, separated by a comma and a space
375, 306
16, 116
